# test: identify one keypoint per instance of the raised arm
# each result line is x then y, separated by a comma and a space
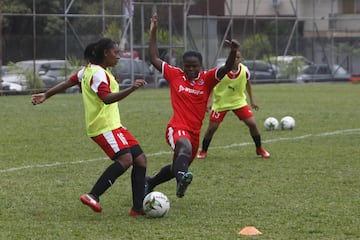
222, 71
153, 49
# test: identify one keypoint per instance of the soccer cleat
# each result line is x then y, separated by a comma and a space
201, 155
89, 200
148, 189
183, 184
134, 213
262, 152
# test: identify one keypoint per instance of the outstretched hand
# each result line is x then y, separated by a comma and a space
153, 22
138, 83
38, 98
234, 44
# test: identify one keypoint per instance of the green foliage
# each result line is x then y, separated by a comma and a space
74, 62
291, 69
33, 80
282, 28
308, 189
54, 26
14, 6
113, 31
255, 46
346, 49
163, 38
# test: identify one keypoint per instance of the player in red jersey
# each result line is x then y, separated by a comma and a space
189, 88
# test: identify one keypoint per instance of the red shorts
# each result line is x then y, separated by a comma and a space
114, 141
172, 135
242, 113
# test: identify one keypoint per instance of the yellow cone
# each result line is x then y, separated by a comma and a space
249, 231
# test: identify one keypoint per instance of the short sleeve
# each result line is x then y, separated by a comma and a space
169, 72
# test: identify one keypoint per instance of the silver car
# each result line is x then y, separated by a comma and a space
323, 73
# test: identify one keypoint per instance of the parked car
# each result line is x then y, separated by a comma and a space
13, 87
4, 70
355, 78
289, 67
323, 73
159, 78
125, 83
54, 72
17, 73
122, 71
260, 71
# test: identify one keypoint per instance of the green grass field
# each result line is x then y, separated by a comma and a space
308, 189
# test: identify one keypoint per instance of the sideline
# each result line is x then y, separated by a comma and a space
338, 132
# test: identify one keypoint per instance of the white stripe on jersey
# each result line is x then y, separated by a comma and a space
98, 78
80, 74
171, 137
247, 72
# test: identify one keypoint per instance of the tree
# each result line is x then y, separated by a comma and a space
256, 46
163, 38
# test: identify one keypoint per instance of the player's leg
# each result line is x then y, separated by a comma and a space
107, 179
138, 180
165, 174
183, 153
120, 154
214, 121
247, 116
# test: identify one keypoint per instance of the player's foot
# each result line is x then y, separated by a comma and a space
148, 188
135, 213
201, 155
91, 201
262, 152
183, 184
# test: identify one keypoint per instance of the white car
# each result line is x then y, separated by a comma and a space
17, 73
13, 87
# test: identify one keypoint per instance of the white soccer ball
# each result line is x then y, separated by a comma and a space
156, 204
271, 124
287, 123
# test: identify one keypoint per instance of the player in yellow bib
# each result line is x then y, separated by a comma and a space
101, 94
230, 95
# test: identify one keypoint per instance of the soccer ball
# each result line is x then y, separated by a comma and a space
156, 204
271, 124
287, 123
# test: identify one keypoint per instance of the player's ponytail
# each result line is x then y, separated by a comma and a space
89, 53
97, 50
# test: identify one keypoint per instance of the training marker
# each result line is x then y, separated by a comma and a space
249, 231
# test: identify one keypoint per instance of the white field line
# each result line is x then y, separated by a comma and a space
339, 132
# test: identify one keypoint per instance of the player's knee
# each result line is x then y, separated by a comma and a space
124, 157
140, 161
183, 147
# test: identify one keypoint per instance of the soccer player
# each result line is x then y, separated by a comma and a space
229, 95
189, 89
101, 93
